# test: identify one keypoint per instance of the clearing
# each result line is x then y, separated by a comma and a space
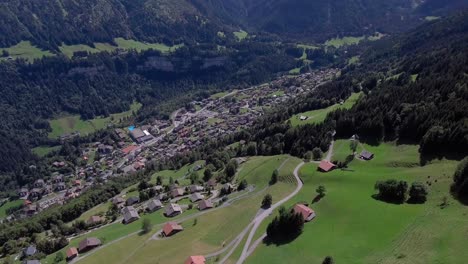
319, 115
70, 124
26, 50
240, 35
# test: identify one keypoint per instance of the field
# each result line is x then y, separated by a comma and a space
7, 205
431, 18
212, 230
218, 95
318, 116
68, 50
352, 227
353, 60
44, 150
240, 35
339, 42
69, 124
140, 46
27, 51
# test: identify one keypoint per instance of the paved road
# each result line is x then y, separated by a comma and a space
259, 219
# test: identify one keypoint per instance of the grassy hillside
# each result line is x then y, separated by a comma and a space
352, 227
25, 50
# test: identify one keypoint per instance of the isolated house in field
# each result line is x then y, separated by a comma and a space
154, 205
196, 197
173, 210
71, 253
205, 204
326, 166
88, 244
195, 260
307, 213
132, 200
366, 155
171, 228
177, 192
94, 220
130, 214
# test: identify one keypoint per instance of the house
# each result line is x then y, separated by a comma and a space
30, 209
88, 244
171, 228
71, 253
195, 260
130, 149
105, 149
39, 183
132, 200
303, 118
177, 192
32, 261
196, 197
36, 192
154, 205
23, 193
94, 220
326, 166
196, 188
118, 201
130, 214
60, 186
212, 182
30, 251
307, 213
173, 210
76, 183
57, 179
205, 204
366, 155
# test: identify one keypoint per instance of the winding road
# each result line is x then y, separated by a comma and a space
259, 218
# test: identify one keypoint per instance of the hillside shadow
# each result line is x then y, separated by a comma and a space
280, 241
424, 159
378, 198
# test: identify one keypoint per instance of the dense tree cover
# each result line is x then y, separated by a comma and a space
288, 225
392, 190
411, 96
460, 180
267, 201
418, 193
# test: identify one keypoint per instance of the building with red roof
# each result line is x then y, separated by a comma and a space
195, 260
326, 166
307, 213
129, 149
171, 228
71, 253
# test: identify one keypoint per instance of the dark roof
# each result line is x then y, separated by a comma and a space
133, 200
89, 242
31, 250
366, 154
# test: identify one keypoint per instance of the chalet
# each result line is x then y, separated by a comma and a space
60, 186
154, 205
196, 188
118, 201
94, 220
366, 155
158, 188
303, 118
205, 204
58, 164
29, 251
36, 192
32, 261
177, 192
88, 244
39, 183
307, 213
23, 193
76, 183
195, 260
71, 253
130, 149
130, 214
196, 197
105, 149
57, 179
120, 133
326, 166
171, 228
132, 200
212, 183
173, 210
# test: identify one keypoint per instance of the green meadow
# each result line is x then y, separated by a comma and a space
69, 124
319, 115
240, 35
353, 227
26, 50
8, 205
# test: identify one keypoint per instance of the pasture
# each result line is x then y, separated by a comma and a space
353, 227
26, 50
319, 115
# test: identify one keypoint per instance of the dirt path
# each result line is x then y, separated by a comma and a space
259, 219
330, 151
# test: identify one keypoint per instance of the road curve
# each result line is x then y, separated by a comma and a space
259, 219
